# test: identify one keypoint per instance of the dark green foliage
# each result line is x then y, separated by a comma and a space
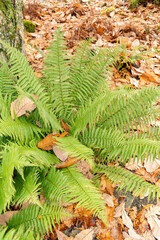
102, 123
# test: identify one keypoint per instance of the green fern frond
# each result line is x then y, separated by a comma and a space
19, 130
4, 106
28, 83
19, 234
4, 235
78, 72
37, 156
89, 72
39, 219
90, 112
57, 75
75, 149
11, 159
83, 192
25, 77
137, 148
128, 181
7, 191
27, 188
134, 108
6, 82
47, 117
16, 157
55, 187
95, 137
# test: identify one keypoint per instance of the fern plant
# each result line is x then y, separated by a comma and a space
101, 122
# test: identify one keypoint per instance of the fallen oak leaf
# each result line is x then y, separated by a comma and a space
153, 220
150, 165
134, 235
120, 211
20, 107
86, 234
62, 236
154, 223
61, 154
108, 199
48, 142
150, 77
69, 162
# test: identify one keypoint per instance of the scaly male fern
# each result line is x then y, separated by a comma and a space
101, 123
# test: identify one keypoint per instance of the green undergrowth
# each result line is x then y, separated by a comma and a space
101, 125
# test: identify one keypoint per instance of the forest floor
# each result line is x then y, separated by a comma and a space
138, 32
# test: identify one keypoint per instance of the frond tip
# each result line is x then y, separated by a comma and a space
129, 181
83, 192
39, 219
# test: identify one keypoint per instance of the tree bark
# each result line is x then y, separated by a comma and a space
11, 23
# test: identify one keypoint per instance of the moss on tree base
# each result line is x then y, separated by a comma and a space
29, 26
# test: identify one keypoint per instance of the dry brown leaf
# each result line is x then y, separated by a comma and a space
157, 71
116, 229
6, 216
85, 168
136, 71
135, 43
48, 142
20, 107
132, 165
109, 212
69, 162
126, 219
151, 166
134, 235
105, 235
134, 82
86, 234
126, 236
133, 213
62, 236
154, 223
148, 235
106, 186
141, 223
120, 211
108, 199
61, 154
150, 77
152, 210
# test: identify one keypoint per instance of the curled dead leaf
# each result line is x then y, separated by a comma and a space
108, 199
86, 234
61, 154
20, 107
69, 162
120, 212
48, 142
61, 235
150, 77
150, 165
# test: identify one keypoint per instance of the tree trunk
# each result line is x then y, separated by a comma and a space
11, 24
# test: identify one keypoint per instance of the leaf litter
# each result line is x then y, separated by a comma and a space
109, 23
